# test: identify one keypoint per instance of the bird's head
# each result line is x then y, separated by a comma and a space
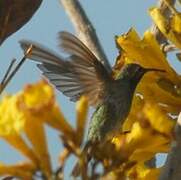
134, 72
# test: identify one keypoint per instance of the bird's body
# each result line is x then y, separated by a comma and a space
108, 118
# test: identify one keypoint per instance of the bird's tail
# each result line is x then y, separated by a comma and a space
77, 168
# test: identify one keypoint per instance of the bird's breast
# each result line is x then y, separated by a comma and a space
109, 117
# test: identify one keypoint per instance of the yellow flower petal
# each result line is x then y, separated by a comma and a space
36, 134
159, 120
21, 170
37, 102
145, 52
141, 143
176, 23
35, 99
141, 172
142, 137
81, 110
9, 125
154, 93
12, 124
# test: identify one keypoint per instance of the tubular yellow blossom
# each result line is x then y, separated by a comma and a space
27, 112
23, 170
37, 102
171, 30
81, 110
12, 124
36, 97
38, 140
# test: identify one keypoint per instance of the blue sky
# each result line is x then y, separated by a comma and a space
109, 18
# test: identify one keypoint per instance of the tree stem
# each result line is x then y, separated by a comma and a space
85, 29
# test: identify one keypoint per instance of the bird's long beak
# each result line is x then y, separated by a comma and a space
154, 69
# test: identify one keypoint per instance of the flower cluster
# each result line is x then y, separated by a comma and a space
24, 115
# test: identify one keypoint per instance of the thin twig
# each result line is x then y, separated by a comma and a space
15, 69
8, 71
169, 48
85, 29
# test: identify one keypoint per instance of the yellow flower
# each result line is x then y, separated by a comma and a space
141, 172
145, 139
146, 52
170, 29
27, 112
37, 102
23, 112
12, 124
141, 143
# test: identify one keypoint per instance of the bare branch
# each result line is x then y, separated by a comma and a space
85, 29
169, 48
8, 79
8, 71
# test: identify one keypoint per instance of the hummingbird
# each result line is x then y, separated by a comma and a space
82, 73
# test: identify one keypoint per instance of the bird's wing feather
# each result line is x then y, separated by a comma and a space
81, 74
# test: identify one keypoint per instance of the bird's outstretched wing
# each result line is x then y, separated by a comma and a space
80, 74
